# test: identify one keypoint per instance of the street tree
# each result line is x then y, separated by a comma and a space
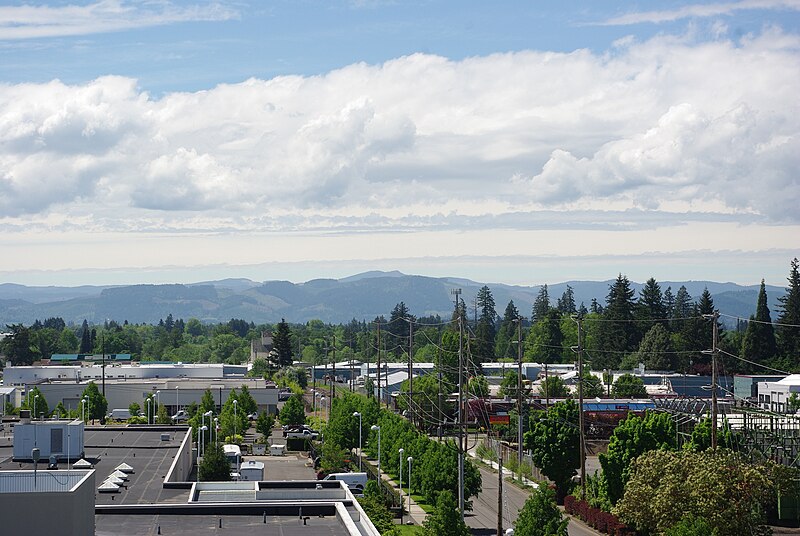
35, 398
293, 411
98, 405
214, 467
445, 520
554, 443
540, 515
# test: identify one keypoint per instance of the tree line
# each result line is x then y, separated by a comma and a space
662, 328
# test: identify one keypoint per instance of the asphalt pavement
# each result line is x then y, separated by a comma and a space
483, 518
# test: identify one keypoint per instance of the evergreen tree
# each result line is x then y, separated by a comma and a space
86, 339
541, 305
566, 303
282, 344
669, 302
595, 307
655, 350
788, 333
618, 334
18, 347
398, 329
681, 309
759, 339
485, 332
504, 346
544, 343
651, 303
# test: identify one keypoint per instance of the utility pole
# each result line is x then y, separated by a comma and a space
546, 389
499, 486
378, 371
457, 293
103, 349
410, 370
579, 320
519, 396
714, 351
333, 378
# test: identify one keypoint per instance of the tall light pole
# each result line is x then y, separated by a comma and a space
177, 400
201, 447
35, 398
203, 421
401, 451
158, 398
409, 460
357, 414
377, 428
216, 431
88, 408
235, 417
148, 402
322, 402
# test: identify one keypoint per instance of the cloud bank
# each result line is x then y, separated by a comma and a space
683, 128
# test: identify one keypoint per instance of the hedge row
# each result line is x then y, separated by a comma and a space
596, 518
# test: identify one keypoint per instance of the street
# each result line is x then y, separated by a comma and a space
483, 518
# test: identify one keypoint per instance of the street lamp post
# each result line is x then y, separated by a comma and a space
88, 408
216, 431
377, 428
148, 402
202, 446
409, 460
357, 414
158, 399
35, 398
401, 451
235, 417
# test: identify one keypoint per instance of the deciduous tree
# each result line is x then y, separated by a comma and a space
540, 515
554, 442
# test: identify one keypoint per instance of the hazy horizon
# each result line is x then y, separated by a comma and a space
509, 142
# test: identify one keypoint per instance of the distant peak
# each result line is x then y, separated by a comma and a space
372, 274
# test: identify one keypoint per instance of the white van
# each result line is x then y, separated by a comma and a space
355, 481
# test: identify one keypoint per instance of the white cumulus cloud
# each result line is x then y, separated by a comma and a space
666, 124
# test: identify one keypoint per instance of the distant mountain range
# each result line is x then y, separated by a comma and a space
363, 297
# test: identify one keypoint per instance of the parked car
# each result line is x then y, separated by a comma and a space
180, 416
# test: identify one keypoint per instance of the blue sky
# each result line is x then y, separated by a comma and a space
516, 142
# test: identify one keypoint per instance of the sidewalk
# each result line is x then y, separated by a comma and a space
414, 511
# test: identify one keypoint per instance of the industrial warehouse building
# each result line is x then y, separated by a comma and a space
173, 384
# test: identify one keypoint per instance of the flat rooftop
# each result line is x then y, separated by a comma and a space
140, 448
111, 525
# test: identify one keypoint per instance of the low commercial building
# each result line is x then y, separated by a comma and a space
47, 502
775, 395
174, 385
